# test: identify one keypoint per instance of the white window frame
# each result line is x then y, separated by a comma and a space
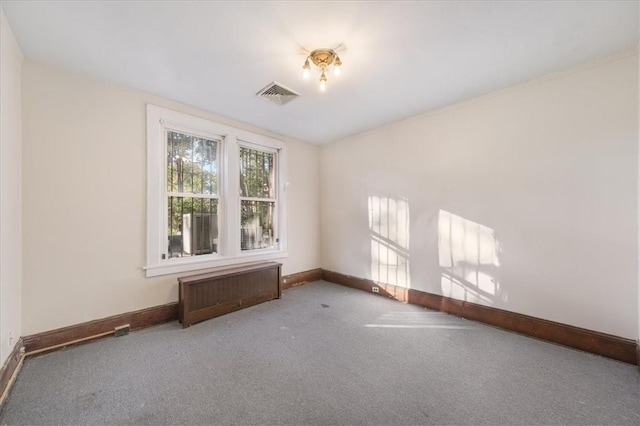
159, 121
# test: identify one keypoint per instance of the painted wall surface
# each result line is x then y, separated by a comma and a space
85, 196
10, 189
524, 199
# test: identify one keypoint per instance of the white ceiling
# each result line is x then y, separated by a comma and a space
399, 58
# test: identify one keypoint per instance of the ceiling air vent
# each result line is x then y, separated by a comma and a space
277, 93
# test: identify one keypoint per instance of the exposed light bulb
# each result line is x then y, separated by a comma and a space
323, 81
336, 66
305, 69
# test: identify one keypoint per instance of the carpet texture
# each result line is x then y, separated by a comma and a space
324, 354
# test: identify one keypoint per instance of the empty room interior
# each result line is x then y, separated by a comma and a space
319, 212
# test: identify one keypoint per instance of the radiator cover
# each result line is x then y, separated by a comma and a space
209, 295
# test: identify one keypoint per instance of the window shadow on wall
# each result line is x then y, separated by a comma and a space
469, 259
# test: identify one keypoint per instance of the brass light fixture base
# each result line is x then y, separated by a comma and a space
323, 57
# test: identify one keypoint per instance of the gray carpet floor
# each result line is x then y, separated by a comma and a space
324, 354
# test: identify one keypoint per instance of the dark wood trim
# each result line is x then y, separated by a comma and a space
137, 319
85, 331
9, 368
300, 278
387, 290
614, 347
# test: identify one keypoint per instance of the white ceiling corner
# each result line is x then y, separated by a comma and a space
399, 58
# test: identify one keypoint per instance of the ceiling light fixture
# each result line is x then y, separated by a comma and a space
322, 58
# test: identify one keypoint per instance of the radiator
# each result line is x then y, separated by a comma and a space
209, 295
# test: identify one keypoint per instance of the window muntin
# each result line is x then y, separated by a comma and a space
258, 171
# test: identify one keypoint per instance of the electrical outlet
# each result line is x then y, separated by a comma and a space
122, 330
375, 289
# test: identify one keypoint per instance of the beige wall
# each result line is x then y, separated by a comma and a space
84, 200
10, 190
524, 200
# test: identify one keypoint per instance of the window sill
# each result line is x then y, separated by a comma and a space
188, 265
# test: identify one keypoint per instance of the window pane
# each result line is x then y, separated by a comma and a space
257, 173
257, 220
192, 226
191, 164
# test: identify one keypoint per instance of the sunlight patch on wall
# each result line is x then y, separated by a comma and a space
389, 231
468, 254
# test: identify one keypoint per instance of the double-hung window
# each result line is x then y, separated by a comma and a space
215, 194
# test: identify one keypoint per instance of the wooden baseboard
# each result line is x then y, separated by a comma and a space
79, 333
10, 370
614, 347
300, 278
99, 328
607, 345
387, 290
